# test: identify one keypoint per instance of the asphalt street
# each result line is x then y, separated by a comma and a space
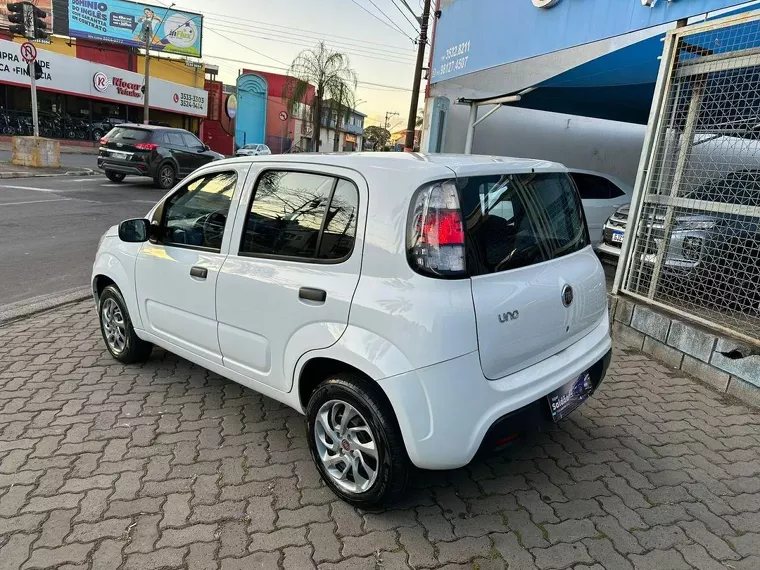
49, 229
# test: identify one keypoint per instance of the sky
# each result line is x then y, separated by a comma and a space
266, 35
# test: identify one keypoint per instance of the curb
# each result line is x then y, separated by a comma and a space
19, 310
19, 174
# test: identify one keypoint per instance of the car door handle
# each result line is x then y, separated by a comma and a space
310, 294
199, 272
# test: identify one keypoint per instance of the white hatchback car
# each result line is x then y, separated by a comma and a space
253, 150
418, 309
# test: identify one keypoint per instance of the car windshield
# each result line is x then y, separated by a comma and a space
251, 146
128, 134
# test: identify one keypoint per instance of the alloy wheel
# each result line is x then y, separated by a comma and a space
167, 177
346, 446
114, 326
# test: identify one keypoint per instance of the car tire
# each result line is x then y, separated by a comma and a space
348, 452
117, 330
115, 176
97, 134
166, 176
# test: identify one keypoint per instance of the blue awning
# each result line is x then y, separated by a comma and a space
620, 85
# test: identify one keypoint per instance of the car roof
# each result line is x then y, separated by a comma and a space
603, 175
462, 165
150, 127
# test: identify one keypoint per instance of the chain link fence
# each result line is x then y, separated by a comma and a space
696, 232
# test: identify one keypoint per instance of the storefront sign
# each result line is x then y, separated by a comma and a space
64, 74
473, 35
130, 23
350, 138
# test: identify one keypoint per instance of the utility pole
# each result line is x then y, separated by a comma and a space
421, 43
149, 36
27, 20
388, 116
146, 84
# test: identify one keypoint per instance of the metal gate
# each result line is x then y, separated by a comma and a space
693, 237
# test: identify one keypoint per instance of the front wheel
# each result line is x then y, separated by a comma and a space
117, 330
356, 443
166, 177
115, 176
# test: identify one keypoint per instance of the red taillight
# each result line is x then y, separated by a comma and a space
435, 236
104, 140
146, 146
443, 227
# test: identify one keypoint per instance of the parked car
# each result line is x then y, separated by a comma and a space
417, 309
99, 128
613, 232
601, 195
164, 154
253, 150
714, 246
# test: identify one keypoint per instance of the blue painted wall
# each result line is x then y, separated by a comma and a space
251, 120
472, 35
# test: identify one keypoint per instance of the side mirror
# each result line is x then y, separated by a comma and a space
134, 231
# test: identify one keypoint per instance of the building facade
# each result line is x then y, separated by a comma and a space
88, 85
347, 136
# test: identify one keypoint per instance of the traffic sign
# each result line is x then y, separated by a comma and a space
283, 115
28, 52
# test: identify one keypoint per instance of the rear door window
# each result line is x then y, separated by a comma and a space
175, 139
592, 187
518, 220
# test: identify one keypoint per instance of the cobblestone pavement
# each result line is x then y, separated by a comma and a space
169, 466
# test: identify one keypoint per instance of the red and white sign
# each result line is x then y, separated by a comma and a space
71, 75
100, 82
28, 52
283, 115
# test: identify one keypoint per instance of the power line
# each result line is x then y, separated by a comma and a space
245, 46
319, 34
248, 63
391, 58
404, 15
252, 29
376, 17
388, 17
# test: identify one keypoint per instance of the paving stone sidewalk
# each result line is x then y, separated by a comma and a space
169, 466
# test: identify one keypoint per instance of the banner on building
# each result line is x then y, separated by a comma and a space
70, 75
134, 23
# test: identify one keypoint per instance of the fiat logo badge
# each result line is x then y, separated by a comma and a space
567, 295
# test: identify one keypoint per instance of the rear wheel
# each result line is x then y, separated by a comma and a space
356, 443
165, 177
115, 176
117, 330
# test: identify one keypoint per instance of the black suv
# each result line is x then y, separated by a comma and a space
164, 154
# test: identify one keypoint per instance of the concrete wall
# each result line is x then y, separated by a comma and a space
726, 364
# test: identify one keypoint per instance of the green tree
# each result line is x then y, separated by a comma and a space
378, 136
331, 75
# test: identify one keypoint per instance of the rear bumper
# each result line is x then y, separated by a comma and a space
449, 411
124, 167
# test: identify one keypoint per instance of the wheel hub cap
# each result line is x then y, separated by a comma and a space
113, 326
346, 446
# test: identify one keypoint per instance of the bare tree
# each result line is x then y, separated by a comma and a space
330, 73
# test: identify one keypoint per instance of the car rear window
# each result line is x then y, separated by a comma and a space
128, 134
516, 220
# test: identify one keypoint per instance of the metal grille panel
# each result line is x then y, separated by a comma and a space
696, 236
